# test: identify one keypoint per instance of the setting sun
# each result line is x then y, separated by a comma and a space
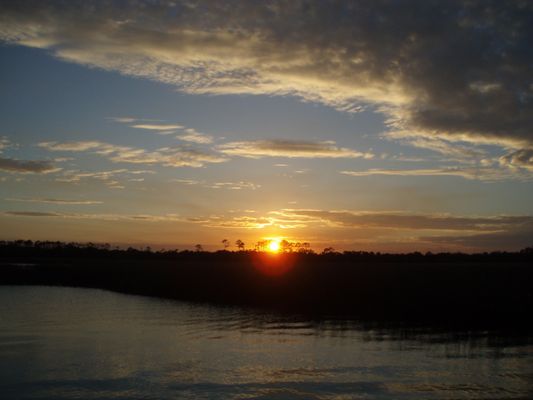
273, 246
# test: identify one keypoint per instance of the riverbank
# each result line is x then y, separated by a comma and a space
487, 290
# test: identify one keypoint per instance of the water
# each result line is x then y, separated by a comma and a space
69, 343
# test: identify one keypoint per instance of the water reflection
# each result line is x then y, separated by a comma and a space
65, 343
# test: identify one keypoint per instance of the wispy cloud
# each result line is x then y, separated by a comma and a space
188, 181
402, 220
55, 201
460, 152
157, 127
219, 185
513, 239
4, 143
167, 156
76, 146
289, 149
27, 166
375, 226
149, 124
113, 179
123, 120
31, 214
235, 185
188, 135
406, 172
518, 159
240, 222
103, 217
191, 135
489, 174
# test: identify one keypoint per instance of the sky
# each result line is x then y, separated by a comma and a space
380, 126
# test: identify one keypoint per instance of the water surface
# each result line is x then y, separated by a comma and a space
71, 343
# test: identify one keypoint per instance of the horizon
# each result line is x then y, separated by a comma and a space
362, 127
263, 246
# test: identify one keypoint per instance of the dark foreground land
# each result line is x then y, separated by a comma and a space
486, 290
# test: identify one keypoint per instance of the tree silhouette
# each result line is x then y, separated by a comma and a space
305, 248
262, 245
199, 247
286, 246
328, 250
240, 244
225, 242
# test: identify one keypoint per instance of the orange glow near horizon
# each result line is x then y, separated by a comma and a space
272, 259
273, 264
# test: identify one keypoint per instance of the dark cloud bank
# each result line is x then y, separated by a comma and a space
458, 70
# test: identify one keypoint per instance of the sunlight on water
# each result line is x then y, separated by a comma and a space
66, 343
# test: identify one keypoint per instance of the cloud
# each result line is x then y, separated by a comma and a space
488, 174
63, 159
103, 217
56, 201
31, 214
235, 185
508, 239
191, 135
76, 176
461, 152
520, 159
167, 156
123, 120
240, 222
187, 181
378, 230
290, 149
219, 185
111, 178
4, 143
157, 127
397, 220
27, 166
407, 172
475, 85
72, 146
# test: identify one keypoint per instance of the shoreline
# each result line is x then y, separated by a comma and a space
460, 290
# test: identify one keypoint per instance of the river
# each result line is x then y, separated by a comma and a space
72, 343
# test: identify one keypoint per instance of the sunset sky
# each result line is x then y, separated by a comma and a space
372, 125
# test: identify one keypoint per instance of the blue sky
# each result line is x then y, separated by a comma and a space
150, 126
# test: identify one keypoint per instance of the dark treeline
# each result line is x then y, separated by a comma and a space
29, 248
446, 288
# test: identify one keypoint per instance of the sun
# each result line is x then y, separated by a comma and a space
273, 246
